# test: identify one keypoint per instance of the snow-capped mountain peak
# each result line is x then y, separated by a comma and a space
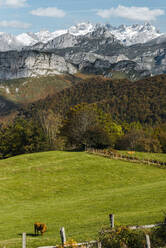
43, 36
81, 29
27, 39
136, 33
128, 35
8, 42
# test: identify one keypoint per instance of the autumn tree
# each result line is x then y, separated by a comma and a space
88, 126
51, 124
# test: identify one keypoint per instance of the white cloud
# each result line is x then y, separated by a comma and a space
14, 24
132, 13
49, 12
13, 3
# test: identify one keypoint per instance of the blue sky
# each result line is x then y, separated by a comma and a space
17, 16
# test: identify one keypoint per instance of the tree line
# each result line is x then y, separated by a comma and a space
84, 126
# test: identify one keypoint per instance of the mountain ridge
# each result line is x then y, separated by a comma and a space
125, 100
88, 48
128, 35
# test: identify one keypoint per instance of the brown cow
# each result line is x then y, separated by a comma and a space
39, 227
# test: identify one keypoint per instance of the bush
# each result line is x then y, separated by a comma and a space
159, 236
122, 237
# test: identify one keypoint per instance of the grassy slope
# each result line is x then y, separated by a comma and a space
25, 90
78, 191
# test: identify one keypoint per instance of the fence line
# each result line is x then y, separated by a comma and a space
111, 154
146, 226
139, 227
87, 244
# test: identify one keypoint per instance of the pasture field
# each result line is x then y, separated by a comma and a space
161, 157
76, 190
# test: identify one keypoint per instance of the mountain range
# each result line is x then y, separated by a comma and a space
128, 35
137, 51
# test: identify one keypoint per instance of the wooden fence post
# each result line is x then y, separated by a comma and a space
24, 240
165, 221
98, 244
111, 220
148, 241
63, 236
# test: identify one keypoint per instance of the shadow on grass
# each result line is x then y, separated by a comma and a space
30, 234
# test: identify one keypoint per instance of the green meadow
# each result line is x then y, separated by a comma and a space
78, 191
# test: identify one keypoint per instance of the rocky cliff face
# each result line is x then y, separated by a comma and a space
137, 61
22, 64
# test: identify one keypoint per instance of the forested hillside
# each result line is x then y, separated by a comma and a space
91, 111
143, 100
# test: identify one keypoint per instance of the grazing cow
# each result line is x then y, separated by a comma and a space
39, 227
